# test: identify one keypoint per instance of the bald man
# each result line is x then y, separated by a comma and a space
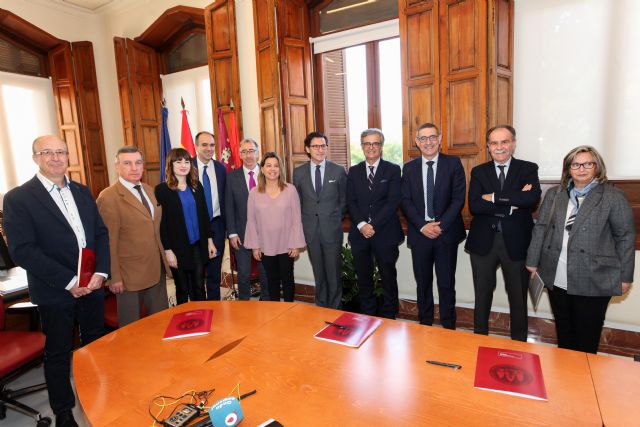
47, 220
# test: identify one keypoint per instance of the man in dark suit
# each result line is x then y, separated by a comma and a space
502, 195
433, 192
373, 196
322, 187
47, 220
212, 175
239, 183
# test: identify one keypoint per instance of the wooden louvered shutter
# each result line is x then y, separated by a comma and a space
334, 106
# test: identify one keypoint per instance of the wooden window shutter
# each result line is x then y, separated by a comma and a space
334, 105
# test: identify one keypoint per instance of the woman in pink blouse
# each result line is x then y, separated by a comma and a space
274, 226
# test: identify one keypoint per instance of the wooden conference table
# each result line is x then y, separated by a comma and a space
303, 381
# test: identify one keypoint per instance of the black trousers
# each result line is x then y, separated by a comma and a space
579, 319
58, 323
484, 283
190, 283
214, 266
279, 273
443, 255
386, 256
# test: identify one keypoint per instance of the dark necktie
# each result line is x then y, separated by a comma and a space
501, 177
144, 199
370, 177
431, 188
206, 185
318, 180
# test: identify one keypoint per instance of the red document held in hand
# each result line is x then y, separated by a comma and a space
511, 372
349, 329
189, 324
86, 266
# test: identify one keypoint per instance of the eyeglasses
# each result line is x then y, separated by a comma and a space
245, 152
371, 144
51, 153
318, 147
586, 165
430, 138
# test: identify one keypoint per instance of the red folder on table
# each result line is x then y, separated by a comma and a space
189, 324
86, 266
349, 329
509, 371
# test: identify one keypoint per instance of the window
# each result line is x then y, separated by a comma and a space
361, 89
344, 14
190, 53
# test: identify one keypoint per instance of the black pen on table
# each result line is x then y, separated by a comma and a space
337, 325
446, 365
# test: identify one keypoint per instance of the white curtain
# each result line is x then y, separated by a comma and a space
27, 111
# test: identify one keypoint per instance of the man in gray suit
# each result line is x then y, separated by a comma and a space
322, 187
239, 183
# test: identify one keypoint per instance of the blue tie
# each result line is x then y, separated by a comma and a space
206, 184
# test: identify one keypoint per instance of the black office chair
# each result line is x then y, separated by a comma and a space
21, 351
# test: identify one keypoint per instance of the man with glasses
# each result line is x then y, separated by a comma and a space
433, 193
373, 197
322, 187
138, 265
212, 175
502, 194
48, 221
239, 183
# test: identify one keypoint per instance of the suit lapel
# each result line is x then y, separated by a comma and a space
511, 174
43, 196
83, 209
132, 200
491, 171
593, 199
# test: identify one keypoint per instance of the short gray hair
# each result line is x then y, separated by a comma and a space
128, 149
251, 140
372, 131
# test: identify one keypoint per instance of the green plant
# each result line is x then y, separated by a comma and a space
349, 277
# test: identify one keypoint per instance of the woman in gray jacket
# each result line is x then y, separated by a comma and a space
583, 248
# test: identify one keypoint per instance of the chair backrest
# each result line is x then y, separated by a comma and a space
1, 313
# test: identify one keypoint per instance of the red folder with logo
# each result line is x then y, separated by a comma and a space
189, 324
509, 371
86, 266
349, 329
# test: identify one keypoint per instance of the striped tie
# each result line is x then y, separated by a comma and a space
370, 177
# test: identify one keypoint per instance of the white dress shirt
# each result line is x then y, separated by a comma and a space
211, 173
425, 170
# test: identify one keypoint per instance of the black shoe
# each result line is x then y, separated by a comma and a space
65, 419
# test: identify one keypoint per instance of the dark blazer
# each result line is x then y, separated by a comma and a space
450, 190
324, 212
43, 243
173, 227
236, 196
221, 179
516, 227
601, 245
378, 206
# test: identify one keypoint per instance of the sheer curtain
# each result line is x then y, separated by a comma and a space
26, 111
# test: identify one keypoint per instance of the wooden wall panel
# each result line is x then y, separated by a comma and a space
90, 117
296, 78
64, 94
124, 90
420, 69
222, 54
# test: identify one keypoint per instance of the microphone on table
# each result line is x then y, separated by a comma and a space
227, 412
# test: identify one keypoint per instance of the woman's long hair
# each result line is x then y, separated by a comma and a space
175, 155
601, 169
262, 181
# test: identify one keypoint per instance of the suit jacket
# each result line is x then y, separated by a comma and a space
236, 196
377, 206
449, 195
516, 227
134, 237
43, 243
221, 179
601, 245
322, 215
173, 227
